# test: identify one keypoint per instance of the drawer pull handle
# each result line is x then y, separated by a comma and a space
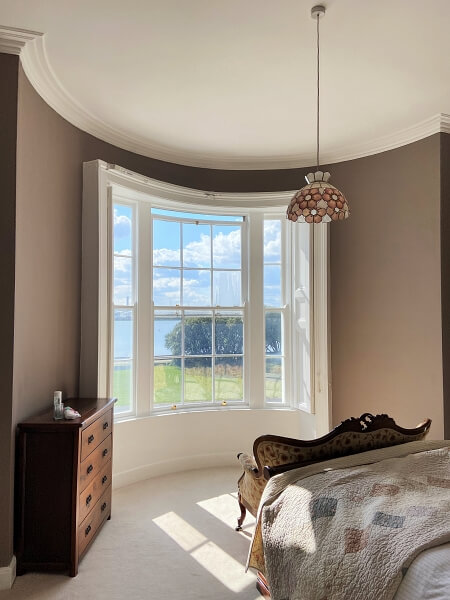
90, 439
88, 500
103, 506
105, 452
87, 530
104, 479
90, 469
105, 425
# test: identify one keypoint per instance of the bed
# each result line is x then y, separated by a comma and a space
362, 513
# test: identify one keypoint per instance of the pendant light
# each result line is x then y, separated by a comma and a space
319, 201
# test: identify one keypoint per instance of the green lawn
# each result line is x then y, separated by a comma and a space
198, 384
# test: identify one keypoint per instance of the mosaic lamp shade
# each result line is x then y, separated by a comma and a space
318, 202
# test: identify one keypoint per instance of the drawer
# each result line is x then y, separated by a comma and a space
93, 435
94, 490
94, 463
90, 525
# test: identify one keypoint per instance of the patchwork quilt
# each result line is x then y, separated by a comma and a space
348, 529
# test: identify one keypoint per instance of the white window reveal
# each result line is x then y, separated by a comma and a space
195, 301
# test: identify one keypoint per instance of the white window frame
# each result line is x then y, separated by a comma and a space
243, 225
99, 180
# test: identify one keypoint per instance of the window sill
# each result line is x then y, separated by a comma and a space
212, 409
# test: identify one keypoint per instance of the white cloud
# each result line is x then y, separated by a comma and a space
272, 239
122, 264
226, 247
122, 279
198, 253
122, 225
196, 291
166, 257
197, 284
160, 283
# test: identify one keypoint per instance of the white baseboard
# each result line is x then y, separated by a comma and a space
199, 461
8, 575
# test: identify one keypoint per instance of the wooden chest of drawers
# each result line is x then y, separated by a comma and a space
63, 485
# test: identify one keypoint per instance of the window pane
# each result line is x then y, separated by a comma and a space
196, 288
196, 245
226, 247
272, 241
274, 379
123, 334
123, 284
227, 288
272, 285
166, 243
229, 334
198, 335
122, 360
273, 333
166, 286
197, 380
167, 380
122, 221
123, 385
167, 334
228, 379
197, 216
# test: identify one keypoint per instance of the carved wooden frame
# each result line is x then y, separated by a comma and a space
366, 423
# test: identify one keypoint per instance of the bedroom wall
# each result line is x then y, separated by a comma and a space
48, 263
8, 136
50, 154
385, 287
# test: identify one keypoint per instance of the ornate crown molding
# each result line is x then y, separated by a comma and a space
13, 40
30, 45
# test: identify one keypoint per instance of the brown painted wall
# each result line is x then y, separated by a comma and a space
385, 287
385, 269
445, 274
48, 262
50, 154
8, 136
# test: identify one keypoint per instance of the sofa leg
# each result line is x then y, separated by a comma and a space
243, 513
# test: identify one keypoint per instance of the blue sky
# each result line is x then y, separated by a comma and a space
197, 284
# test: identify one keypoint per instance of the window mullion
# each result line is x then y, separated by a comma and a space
254, 338
144, 311
288, 321
181, 267
183, 318
301, 316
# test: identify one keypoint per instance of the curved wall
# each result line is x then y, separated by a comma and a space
378, 298
49, 174
192, 440
386, 287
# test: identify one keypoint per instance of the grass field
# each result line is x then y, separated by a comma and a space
198, 385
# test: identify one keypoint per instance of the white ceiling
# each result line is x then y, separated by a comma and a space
231, 83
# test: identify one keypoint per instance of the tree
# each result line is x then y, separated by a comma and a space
228, 335
273, 333
198, 336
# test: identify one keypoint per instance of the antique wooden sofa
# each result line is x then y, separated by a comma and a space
274, 454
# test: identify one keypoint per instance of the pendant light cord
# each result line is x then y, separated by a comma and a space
318, 90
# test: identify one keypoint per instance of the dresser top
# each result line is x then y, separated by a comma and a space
89, 408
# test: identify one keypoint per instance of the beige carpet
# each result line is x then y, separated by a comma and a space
171, 538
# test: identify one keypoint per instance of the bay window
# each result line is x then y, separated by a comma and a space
202, 301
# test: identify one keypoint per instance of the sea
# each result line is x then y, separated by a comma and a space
123, 339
